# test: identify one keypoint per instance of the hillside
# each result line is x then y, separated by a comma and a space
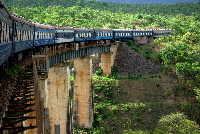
169, 9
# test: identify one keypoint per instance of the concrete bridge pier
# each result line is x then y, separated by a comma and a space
83, 109
143, 40
58, 100
108, 58
106, 62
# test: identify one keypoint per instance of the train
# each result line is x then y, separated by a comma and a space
18, 34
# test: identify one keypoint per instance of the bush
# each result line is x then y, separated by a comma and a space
129, 43
14, 70
148, 51
114, 109
135, 132
100, 107
113, 71
176, 123
99, 72
135, 48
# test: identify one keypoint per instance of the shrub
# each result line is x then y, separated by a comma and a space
113, 71
148, 51
114, 109
14, 70
135, 48
129, 43
100, 107
176, 123
99, 72
135, 132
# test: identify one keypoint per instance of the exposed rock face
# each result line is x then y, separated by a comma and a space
128, 61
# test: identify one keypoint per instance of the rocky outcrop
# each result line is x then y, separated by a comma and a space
128, 61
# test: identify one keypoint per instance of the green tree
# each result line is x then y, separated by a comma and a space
176, 123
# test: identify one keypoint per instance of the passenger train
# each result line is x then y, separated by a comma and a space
18, 34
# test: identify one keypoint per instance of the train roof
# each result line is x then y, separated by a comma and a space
37, 24
64, 28
122, 29
21, 20
99, 29
84, 29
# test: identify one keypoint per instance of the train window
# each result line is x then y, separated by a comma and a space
1, 32
65, 35
21, 35
38, 35
56, 36
24, 35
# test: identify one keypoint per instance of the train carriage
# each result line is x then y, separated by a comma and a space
103, 34
83, 34
24, 34
6, 28
64, 34
122, 34
44, 34
161, 32
142, 32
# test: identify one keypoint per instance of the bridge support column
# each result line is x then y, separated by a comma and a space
59, 100
83, 108
44, 95
43, 86
113, 50
106, 62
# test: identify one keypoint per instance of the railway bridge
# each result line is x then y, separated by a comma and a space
41, 99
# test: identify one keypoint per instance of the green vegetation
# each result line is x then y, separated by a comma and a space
117, 107
14, 71
177, 124
179, 8
119, 110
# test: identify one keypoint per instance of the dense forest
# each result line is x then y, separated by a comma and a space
178, 8
178, 54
